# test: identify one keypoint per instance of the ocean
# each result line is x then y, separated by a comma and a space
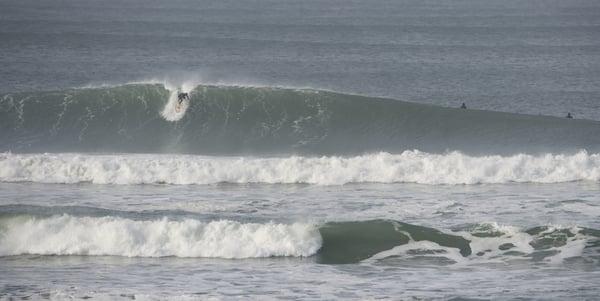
322, 153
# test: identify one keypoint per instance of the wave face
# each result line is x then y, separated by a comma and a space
330, 243
250, 120
410, 166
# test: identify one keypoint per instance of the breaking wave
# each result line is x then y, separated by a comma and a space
409, 166
224, 120
331, 243
68, 235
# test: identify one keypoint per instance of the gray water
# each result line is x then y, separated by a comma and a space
536, 57
395, 277
278, 188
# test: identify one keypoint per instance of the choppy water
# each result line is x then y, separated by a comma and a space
493, 240
321, 154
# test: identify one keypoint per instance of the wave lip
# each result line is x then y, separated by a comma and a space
409, 166
69, 235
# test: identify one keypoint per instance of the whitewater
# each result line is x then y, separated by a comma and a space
408, 167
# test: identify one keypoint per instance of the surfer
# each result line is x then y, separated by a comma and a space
463, 106
569, 115
182, 96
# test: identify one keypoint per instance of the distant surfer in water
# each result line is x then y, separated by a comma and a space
182, 96
569, 115
463, 106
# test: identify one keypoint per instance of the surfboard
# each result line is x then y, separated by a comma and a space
173, 110
179, 106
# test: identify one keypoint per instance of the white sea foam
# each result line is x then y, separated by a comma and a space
509, 244
69, 235
517, 240
409, 166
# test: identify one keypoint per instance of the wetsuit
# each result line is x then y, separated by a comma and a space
182, 96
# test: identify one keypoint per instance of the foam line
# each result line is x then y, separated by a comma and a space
409, 166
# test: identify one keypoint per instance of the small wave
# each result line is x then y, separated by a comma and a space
382, 241
409, 166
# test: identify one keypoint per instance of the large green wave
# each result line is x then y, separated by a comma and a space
252, 120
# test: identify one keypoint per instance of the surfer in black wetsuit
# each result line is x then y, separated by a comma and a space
182, 96
463, 106
569, 115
